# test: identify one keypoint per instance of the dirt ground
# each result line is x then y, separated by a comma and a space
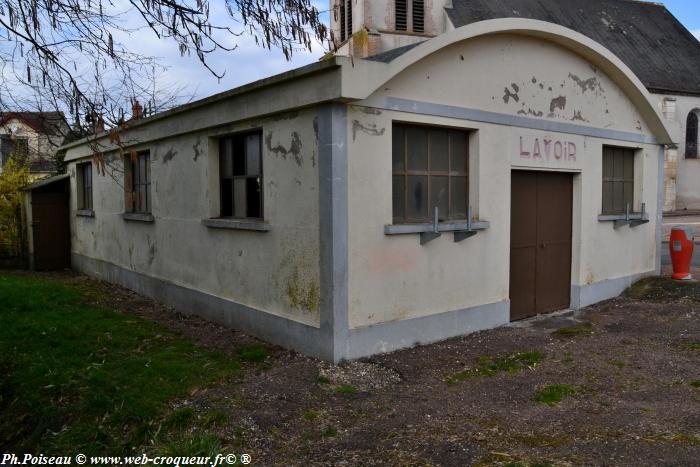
629, 369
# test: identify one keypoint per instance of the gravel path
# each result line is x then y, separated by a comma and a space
614, 384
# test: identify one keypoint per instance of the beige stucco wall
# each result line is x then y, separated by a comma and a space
394, 277
276, 271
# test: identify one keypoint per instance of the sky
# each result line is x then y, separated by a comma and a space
250, 62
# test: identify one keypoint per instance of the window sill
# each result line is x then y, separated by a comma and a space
237, 224
138, 217
621, 220
450, 226
462, 230
85, 213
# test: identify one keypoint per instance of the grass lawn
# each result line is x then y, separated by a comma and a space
75, 378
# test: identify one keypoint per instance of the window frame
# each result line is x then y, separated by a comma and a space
84, 186
135, 179
692, 145
430, 174
626, 153
345, 20
5, 155
260, 177
409, 8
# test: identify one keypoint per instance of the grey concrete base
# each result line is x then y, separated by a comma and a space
275, 329
387, 337
334, 347
584, 295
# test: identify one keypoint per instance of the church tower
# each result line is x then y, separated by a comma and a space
367, 27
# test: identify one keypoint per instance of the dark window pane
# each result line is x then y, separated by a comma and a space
254, 198
226, 197
252, 149
608, 197
459, 151
239, 197
417, 202
417, 143
691, 135
226, 157
619, 165
398, 193
608, 160
439, 151
458, 209
398, 148
238, 155
141, 205
142, 168
628, 195
439, 196
618, 197
629, 166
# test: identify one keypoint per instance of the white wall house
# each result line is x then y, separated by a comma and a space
499, 170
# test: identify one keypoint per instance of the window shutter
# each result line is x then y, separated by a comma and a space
349, 14
342, 21
401, 11
418, 16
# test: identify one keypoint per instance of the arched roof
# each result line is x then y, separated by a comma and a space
592, 51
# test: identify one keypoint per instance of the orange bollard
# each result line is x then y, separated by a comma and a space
681, 245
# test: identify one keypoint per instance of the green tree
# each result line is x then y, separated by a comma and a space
13, 178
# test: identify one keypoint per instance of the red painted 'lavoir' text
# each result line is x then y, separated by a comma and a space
548, 149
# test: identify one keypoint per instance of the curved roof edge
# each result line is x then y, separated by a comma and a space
592, 51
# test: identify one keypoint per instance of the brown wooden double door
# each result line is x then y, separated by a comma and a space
540, 243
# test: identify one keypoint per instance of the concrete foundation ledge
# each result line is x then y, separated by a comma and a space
395, 335
303, 338
584, 295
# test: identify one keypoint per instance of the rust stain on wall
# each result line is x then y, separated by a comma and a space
197, 148
508, 94
170, 155
368, 129
557, 103
294, 149
590, 84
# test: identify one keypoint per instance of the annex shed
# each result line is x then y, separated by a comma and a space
503, 169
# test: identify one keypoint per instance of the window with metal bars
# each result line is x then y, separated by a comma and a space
138, 183
345, 19
241, 176
84, 184
618, 180
409, 15
430, 169
691, 136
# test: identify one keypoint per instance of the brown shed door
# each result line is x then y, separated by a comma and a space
540, 243
51, 231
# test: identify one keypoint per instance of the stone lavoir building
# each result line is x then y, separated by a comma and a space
494, 171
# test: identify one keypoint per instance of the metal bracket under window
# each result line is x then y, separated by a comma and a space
465, 234
459, 236
629, 220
